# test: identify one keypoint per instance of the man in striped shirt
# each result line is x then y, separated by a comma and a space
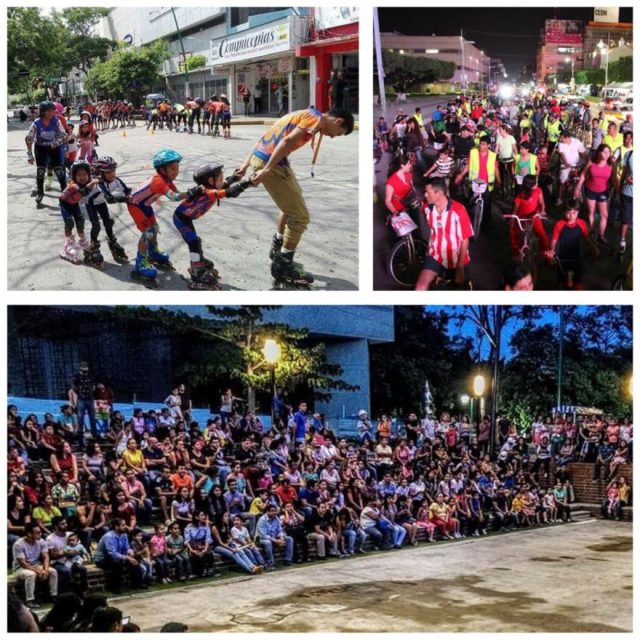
450, 230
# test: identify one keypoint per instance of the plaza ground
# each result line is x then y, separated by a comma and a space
549, 580
492, 250
236, 235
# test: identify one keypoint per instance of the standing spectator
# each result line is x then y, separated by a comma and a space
186, 404
257, 99
270, 532
300, 424
174, 402
81, 397
31, 563
603, 459
114, 555
246, 100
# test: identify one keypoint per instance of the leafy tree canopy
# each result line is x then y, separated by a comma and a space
404, 72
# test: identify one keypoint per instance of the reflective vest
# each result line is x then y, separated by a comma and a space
532, 163
553, 131
474, 166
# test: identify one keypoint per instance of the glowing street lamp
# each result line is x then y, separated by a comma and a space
271, 352
605, 48
478, 386
573, 80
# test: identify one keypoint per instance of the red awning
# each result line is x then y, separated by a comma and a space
339, 44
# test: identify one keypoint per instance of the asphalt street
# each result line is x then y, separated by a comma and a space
236, 235
492, 250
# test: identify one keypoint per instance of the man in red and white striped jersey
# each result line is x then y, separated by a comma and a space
450, 230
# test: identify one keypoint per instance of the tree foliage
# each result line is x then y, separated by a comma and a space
590, 76
422, 351
42, 46
404, 72
129, 71
230, 349
621, 70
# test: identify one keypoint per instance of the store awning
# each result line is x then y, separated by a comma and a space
339, 44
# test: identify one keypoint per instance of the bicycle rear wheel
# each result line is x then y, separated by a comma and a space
407, 258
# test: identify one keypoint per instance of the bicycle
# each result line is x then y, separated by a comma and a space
529, 247
449, 284
476, 205
408, 253
624, 281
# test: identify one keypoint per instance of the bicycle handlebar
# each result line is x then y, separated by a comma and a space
520, 220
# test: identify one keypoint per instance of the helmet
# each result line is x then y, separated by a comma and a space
47, 105
76, 166
362, 413
86, 113
164, 157
205, 171
198, 99
105, 163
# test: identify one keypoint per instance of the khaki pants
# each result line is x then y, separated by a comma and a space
30, 577
283, 187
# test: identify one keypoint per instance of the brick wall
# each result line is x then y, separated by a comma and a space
585, 489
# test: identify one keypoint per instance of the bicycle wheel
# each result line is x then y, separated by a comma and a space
407, 258
478, 210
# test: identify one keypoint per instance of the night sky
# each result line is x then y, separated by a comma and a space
509, 34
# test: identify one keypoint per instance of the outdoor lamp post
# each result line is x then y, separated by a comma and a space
605, 48
271, 352
464, 401
478, 392
573, 79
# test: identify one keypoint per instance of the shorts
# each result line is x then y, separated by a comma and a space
431, 264
626, 209
564, 174
598, 196
143, 216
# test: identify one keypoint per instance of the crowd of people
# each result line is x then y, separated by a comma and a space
89, 184
156, 497
536, 158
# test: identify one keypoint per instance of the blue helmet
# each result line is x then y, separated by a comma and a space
164, 157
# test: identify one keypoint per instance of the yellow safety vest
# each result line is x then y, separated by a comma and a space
419, 120
553, 131
474, 166
533, 162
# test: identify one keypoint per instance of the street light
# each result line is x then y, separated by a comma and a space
573, 80
605, 47
478, 392
271, 352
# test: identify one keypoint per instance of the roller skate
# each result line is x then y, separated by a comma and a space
70, 250
84, 243
118, 253
93, 257
203, 278
160, 259
144, 272
276, 245
288, 274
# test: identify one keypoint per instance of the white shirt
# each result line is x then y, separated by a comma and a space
572, 151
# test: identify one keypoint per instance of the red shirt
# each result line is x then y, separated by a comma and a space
400, 190
449, 229
528, 206
286, 495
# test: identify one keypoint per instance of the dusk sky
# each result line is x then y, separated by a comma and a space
510, 34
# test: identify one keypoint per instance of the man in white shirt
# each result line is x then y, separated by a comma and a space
572, 152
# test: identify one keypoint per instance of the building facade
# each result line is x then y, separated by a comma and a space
472, 65
141, 360
282, 55
561, 49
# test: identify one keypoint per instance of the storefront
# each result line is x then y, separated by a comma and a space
333, 51
264, 61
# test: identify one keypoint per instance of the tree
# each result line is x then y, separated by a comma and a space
35, 47
128, 71
422, 350
590, 76
84, 48
229, 347
621, 70
405, 72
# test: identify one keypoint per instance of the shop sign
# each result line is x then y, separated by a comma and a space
606, 14
252, 44
329, 17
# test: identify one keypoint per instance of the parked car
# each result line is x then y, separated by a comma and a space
627, 105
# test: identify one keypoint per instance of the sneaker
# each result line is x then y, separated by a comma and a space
623, 246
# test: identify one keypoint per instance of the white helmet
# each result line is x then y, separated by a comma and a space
362, 413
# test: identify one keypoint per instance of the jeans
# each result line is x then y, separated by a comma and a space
399, 534
88, 407
29, 578
253, 553
355, 540
115, 570
162, 566
380, 540
181, 566
267, 544
238, 557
